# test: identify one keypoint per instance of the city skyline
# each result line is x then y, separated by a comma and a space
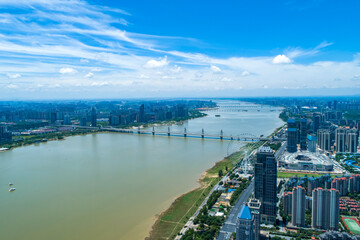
91, 49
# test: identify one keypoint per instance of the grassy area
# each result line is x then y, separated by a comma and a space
174, 218
292, 174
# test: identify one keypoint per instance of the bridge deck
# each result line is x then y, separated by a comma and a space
243, 138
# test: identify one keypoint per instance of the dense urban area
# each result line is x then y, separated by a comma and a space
33, 122
301, 182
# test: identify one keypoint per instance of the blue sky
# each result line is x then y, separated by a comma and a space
128, 49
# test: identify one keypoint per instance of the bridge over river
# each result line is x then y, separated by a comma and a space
244, 137
241, 107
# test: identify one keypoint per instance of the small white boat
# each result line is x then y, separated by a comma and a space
10, 184
12, 189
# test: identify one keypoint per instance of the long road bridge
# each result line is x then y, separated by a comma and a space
238, 107
245, 137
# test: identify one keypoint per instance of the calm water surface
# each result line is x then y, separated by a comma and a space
108, 185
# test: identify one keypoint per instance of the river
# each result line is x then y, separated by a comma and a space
111, 185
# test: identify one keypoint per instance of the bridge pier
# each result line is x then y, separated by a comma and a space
139, 130
168, 133
153, 131
184, 132
202, 134
221, 135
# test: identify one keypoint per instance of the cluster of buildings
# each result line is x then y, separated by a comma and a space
222, 201
319, 131
334, 235
30, 116
324, 202
311, 138
349, 205
340, 140
324, 206
5, 135
90, 116
147, 113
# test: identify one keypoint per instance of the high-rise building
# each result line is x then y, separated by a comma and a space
5, 135
354, 183
320, 209
308, 203
114, 120
83, 121
334, 209
287, 203
298, 206
265, 183
346, 140
335, 105
324, 139
53, 117
316, 122
67, 120
340, 139
311, 143
351, 141
255, 206
325, 209
303, 133
142, 113
93, 117
341, 184
292, 132
245, 224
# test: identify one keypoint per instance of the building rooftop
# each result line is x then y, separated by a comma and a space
291, 120
245, 213
265, 149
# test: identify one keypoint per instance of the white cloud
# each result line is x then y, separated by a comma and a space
12, 86
299, 52
13, 76
226, 79
96, 69
89, 75
281, 59
215, 69
176, 69
67, 71
143, 76
99, 84
245, 73
156, 63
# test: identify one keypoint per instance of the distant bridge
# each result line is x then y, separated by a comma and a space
238, 107
245, 137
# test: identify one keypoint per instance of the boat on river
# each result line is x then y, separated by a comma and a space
12, 189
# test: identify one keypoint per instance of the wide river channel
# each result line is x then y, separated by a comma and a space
112, 185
